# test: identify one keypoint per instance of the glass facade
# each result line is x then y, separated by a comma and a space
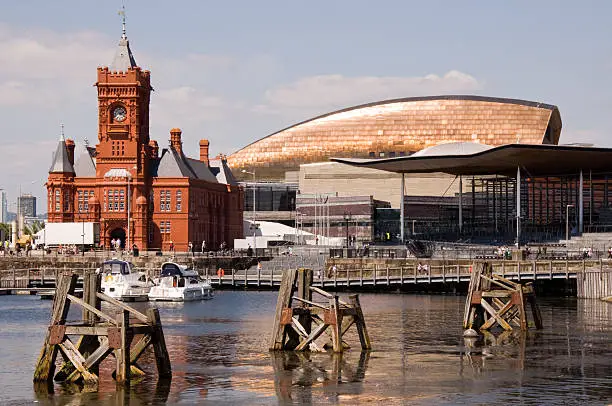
549, 207
270, 196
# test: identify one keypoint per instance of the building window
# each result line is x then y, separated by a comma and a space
402, 153
381, 154
164, 227
57, 200
372, 154
80, 201
151, 202
86, 200
164, 200
179, 198
392, 154
66, 201
122, 200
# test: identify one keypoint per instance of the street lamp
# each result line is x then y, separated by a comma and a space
129, 212
567, 207
254, 224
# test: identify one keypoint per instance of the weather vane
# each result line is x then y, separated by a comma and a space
122, 14
62, 130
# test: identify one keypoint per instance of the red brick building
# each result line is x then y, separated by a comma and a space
135, 192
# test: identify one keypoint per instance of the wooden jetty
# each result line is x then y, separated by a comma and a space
593, 278
126, 334
296, 316
494, 300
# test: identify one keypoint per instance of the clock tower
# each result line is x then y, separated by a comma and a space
123, 114
123, 153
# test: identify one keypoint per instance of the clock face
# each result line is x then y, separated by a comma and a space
119, 113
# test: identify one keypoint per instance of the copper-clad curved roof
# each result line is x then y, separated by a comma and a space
400, 127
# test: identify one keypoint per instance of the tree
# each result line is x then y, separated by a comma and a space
5, 230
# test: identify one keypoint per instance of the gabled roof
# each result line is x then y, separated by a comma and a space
61, 163
201, 170
171, 165
123, 59
84, 165
222, 172
174, 164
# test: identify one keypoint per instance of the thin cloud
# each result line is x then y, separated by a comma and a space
326, 91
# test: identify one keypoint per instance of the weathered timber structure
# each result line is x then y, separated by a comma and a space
296, 315
494, 300
99, 335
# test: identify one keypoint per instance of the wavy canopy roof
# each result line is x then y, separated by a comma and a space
535, 160
401, 127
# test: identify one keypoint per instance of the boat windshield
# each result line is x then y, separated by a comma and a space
172, 269
116, 268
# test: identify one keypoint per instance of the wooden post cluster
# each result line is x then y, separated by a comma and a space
299, 320
493, 300
99, 334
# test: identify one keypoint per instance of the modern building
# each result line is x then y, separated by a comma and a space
273, 201
137, 193
27, 205
514, 192
3, 208
329, 216
400, 127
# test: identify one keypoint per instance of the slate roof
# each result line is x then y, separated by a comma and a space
61, 163
84, 165
174, 164
222, 172
124, 59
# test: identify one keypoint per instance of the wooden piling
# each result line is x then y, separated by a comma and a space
296, 316
99, 335
494, 300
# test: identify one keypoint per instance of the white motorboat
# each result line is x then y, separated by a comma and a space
120, 280
177, 283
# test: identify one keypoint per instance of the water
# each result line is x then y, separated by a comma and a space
219, 355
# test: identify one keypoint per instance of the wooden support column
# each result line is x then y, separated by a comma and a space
45, 367
335, 324
122, 354
284, 301
164, 370
364, 338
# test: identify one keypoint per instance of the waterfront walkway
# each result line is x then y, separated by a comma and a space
408, 273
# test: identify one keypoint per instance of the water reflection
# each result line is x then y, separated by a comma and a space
219, 354
504, 350
296, 374
107, 393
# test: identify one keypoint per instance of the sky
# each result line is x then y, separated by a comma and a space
236, 71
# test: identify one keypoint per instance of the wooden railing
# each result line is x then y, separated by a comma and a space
412, 273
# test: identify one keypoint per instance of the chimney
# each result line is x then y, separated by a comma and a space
175, 140
70, 150
154, 148
204, 151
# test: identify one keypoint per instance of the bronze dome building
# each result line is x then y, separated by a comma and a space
400, 127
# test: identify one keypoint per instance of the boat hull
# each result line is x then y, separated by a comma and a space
173, 294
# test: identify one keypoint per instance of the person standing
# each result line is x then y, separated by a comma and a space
190, 247
171, 247
203, 246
